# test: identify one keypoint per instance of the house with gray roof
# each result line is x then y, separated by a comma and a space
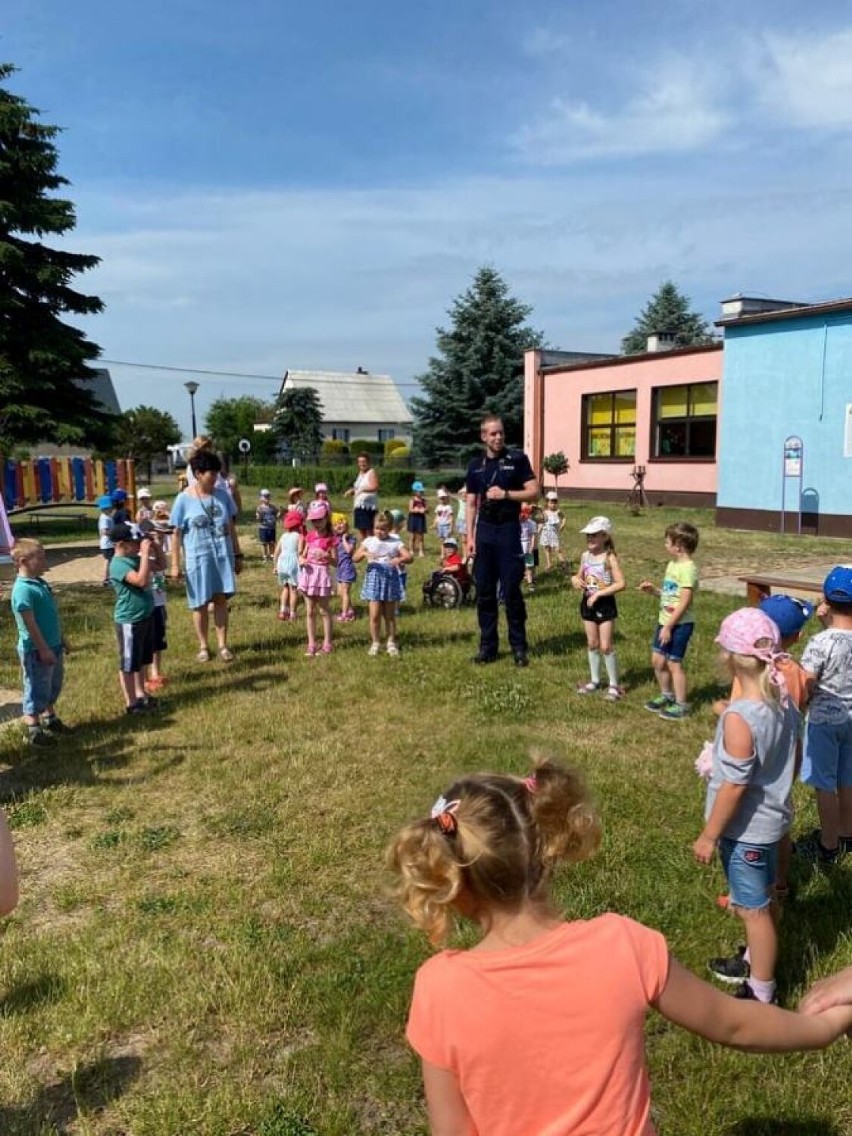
356, 404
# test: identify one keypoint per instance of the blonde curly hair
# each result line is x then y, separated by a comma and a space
495, 843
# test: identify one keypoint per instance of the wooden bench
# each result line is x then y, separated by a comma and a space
759, 587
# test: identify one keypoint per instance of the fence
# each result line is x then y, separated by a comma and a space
41, 482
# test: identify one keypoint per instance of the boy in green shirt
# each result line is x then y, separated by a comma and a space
41, 647
676, 622
130, 575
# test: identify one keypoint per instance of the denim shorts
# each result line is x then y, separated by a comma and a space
750, 870
675, 649
827, 763
42, 685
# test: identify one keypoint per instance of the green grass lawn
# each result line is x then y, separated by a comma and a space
204, 942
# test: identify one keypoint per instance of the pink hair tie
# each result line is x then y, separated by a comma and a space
530, 783
444, 815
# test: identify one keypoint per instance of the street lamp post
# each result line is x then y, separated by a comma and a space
192, 388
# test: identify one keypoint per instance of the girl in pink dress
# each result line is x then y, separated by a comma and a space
317, 556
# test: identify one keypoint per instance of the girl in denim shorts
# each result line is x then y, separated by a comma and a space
748, 798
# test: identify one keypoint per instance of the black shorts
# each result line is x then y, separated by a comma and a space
417, 522
266, 534
363, 519
159, 618
135, 644
603, 611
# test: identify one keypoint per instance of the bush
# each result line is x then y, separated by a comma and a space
369, 446
393, 444
399, 457
393, 482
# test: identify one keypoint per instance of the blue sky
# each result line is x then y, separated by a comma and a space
273, 185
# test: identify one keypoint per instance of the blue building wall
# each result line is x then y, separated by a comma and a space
781, 378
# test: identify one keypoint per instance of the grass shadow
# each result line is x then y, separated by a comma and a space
57, 1107
26, 996
814, 924
767, 1126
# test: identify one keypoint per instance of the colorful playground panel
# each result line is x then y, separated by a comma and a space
63, 481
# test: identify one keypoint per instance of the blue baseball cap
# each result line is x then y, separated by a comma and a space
105, 502
837, 588
417, 487
788, 613
118, 495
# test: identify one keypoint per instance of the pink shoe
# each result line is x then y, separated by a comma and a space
311, 651
325, 649
350, 615
342, 618
283, 616
292, 616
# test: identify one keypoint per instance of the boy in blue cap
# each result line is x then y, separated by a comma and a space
105, 521
827, 767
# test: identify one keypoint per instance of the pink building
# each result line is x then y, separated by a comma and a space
658, 410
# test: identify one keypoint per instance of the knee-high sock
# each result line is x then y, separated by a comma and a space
595, 666
611, 664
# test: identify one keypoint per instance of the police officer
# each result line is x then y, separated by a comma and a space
497, 483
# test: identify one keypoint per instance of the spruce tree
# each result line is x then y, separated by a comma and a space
40, 355
478, 370
667, 310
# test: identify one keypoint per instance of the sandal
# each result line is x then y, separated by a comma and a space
588, 687
225, 655
203, 656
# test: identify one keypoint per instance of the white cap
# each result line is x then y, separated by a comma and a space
598, 524
443, 493
264, 493
551, 495
143, 492
450, 540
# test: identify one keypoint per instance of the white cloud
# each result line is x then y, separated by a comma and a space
806, 81
541, 42
677, 108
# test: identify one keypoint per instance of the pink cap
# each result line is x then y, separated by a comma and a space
318, 511
748, 631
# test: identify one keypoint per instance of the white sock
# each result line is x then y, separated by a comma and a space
765, 991
611, 664
595, 666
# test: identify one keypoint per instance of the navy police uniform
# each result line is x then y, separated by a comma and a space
499, 558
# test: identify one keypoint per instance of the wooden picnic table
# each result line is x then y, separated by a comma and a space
759, 587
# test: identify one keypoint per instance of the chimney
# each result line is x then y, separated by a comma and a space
661, 341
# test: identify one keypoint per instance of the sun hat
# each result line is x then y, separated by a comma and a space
292, 520
294, 492
551, 495
598, 524
105, 502
837, 588
417, 487
787, 613
318, 510
143, 492
320, 487
161, 507
450, 540
264, 493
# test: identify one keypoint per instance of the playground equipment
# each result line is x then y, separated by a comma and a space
43, 482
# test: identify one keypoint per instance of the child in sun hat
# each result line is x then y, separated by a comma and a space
317, 557
553, 522
267, 516
294, 500
286, 557
748, 807
827, 766
443, 516
144, 511
105, 545
600, 579
416, 523
346, 573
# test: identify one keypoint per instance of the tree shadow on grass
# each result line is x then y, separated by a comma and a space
769, 1126
43, 990
559, 644
814, 924
58, 1106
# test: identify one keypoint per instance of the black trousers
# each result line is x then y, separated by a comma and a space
499, 560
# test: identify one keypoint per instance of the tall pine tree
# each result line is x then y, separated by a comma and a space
667, 310
40, 355
477, 370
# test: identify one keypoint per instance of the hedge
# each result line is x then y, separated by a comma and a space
394, 482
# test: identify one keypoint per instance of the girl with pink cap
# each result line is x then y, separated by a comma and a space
748, 807
317, 556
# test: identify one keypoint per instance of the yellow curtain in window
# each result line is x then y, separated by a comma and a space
703, 397
672, 402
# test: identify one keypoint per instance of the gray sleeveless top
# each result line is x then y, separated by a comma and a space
764, 813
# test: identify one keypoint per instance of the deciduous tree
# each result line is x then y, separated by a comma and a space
144, 433
230, 419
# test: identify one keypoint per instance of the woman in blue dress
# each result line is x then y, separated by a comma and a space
204, 527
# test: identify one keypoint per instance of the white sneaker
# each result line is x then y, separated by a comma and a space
374, 650
392, 648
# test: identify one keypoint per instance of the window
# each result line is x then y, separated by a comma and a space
609, 426
386, 435
340, 434
685, 421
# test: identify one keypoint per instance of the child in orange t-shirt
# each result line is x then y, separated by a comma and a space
540, 1026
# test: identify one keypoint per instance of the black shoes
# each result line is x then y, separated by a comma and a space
482, 657
733, 969
521, 659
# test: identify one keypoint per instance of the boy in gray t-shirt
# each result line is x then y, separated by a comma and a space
827, 766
